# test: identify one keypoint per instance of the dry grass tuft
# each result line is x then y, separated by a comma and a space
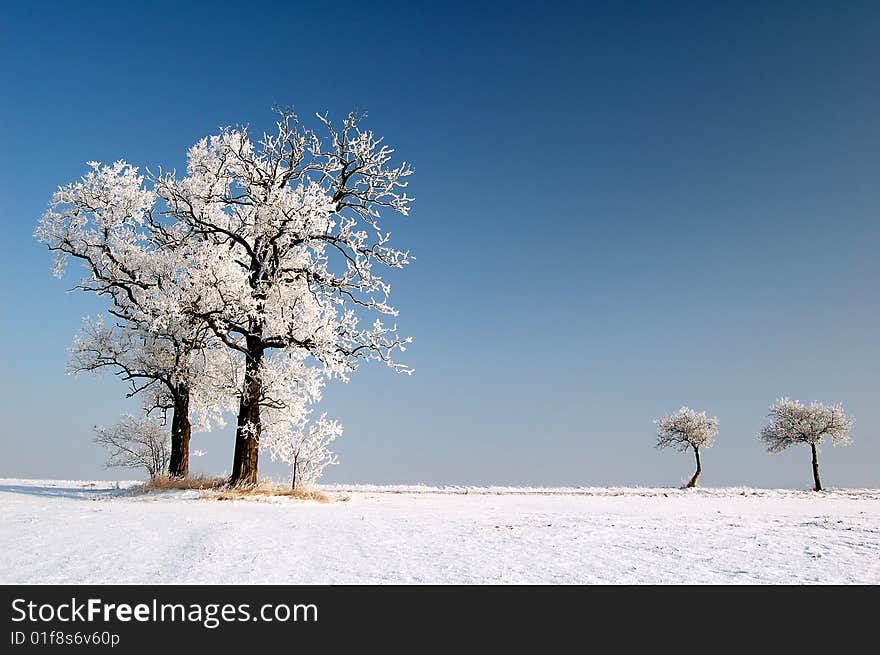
267, 489
164, 482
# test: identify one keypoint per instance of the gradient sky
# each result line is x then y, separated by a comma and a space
620, 209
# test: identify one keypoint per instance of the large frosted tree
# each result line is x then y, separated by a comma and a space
130, 256
272, 250
686, 430
288, 250
792, 422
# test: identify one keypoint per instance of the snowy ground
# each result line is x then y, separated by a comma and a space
77, 532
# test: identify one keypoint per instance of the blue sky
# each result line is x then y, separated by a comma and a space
619, 210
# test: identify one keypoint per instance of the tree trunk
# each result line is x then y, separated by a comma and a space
816, 480
181, 431
247, 434
693, 482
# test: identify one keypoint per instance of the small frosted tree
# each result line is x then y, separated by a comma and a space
791, 423
305, 448
136, 443
289, 433
687, 429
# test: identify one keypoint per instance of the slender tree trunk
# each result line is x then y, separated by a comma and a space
816, 480
181, 431
247, 434
693, 482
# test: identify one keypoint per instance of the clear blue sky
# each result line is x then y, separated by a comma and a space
620, 210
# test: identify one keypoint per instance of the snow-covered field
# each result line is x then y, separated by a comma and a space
79, 532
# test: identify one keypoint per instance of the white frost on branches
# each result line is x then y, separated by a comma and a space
285, 235
286, 252
154, 364
135, 259
305, 447
222, 281
136, 443
686, 429
102, 220
792, 422
289, 434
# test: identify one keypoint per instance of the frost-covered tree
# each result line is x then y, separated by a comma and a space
289, 433
792, 422
287, 244
684, 430
276, 247
305, 447
135, 260
136, 442
167, 373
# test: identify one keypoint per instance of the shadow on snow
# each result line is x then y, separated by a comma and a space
77, 493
